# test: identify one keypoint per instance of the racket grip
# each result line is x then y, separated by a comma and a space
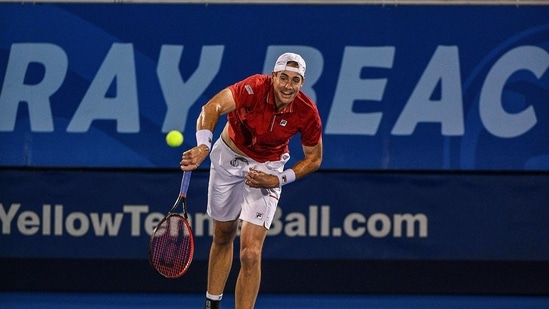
185, 180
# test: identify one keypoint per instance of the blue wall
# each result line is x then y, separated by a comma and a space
398, 87
436, 130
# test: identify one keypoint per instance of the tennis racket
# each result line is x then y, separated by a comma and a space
171, 246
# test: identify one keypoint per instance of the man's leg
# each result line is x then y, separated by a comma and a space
252, 238
221, 258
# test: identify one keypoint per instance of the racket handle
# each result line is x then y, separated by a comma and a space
185, 180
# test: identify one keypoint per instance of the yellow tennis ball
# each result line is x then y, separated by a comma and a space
174, 138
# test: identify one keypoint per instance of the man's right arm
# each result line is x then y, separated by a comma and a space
220, 104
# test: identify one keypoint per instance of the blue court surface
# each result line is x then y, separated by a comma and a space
266, 301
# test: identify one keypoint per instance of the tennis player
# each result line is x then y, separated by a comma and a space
247, 170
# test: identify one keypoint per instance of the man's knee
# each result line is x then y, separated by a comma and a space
250, 256
224, 232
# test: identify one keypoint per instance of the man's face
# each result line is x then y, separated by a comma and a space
286, 86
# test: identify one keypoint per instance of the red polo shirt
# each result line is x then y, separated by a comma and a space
259, 130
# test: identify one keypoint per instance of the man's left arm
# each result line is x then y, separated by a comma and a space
310, 163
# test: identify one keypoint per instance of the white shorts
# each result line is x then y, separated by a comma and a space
230, 198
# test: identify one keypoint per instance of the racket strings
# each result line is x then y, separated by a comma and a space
172, 247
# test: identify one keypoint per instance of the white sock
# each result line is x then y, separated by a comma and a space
214, 297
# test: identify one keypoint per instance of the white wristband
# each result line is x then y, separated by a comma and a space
286, 177
204, 137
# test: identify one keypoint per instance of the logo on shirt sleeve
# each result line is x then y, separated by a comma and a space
249, 89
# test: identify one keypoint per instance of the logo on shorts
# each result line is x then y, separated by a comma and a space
236, 161
258, 215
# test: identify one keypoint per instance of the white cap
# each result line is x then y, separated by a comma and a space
281, 63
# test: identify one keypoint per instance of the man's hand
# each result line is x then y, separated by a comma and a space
192, 158
258, 179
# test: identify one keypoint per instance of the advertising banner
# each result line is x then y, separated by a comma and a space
328, 215
398, 87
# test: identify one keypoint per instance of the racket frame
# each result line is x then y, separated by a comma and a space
181, 199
